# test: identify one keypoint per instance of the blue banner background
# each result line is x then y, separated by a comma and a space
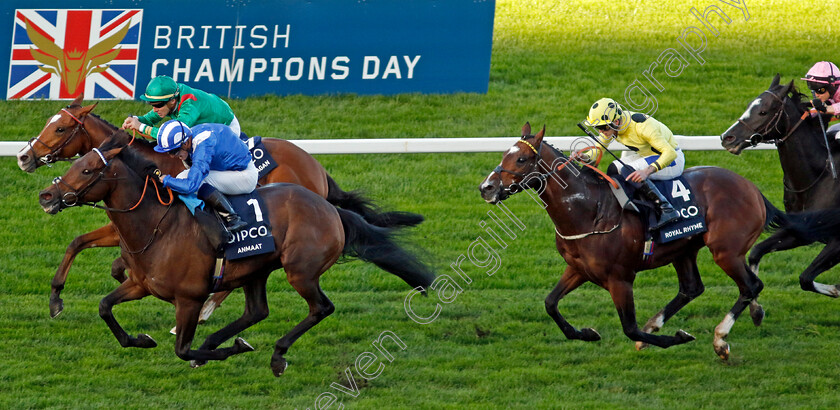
453, 39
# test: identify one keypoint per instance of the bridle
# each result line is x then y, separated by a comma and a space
70, 199
758, 137
50, 158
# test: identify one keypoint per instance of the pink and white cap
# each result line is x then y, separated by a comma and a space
823, 72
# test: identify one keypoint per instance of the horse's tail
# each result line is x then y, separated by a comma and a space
377, 245
775, 219
813, 226
356, 202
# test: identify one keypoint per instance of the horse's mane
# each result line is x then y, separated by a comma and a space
130, 155
796, 96
589, 176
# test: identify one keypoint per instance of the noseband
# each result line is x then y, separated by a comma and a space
50, 157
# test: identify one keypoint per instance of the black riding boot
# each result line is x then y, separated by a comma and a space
666, 212
219, 202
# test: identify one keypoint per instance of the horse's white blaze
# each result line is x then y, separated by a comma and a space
54, 119
513, 150
828, 290
754, 104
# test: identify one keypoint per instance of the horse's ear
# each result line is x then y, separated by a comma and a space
87, 110
111, 153
538, 138
526, 129
775, 80
789, 87
78, 100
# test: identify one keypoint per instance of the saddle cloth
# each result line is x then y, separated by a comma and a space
679, 194
262, 159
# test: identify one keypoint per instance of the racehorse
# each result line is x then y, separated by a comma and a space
603, 244
74, 130
167, 261
779, 116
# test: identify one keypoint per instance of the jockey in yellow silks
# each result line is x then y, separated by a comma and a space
653, 151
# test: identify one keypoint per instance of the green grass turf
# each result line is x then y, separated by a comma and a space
493, 346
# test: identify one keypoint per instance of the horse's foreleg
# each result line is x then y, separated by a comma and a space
105, 236
211, 304
779, 241
691, 286
256, 309
127, 291
621, 292
828, 257
319, 307
568, 282
186, 317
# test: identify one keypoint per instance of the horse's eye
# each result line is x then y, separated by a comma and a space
59, 129
86, 172
521, 160
762, 113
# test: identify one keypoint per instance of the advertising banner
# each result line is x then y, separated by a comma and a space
111, 49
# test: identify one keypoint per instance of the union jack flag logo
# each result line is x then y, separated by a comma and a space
58, 54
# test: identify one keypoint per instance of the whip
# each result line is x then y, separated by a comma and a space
825, 137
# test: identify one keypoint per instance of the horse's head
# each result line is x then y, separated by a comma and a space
765, 120
88, 180
64, 136
519, 162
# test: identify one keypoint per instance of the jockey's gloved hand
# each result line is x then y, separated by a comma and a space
818, 105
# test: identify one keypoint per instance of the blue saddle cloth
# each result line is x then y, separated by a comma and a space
259, 154
254, 239
680, 195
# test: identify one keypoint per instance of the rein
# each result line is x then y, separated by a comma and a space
544, 176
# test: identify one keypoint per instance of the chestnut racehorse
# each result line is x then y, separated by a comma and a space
160, 247
75, 131
603, 244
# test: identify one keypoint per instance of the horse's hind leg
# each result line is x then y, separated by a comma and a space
828, 257
127, 291
105, 236
779, 241
319, 307
570, 280
691, 286
211, 304
622, 294
749, 286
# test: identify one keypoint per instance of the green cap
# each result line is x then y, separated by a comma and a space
161, 88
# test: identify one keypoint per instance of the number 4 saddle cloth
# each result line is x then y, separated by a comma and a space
679, 193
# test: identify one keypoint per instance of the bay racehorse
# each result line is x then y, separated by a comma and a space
171, 259
74, 130
603, 244
780, 116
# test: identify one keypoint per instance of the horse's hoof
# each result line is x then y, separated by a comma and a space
173, 330
723, 351
684, 337
278, 366
757, 314
641, 346
145, 341
197, 363
242, 346
589, 335
56, 307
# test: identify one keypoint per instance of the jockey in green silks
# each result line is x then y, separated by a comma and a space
183, 103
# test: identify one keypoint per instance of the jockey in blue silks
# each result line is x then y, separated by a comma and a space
218, 163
